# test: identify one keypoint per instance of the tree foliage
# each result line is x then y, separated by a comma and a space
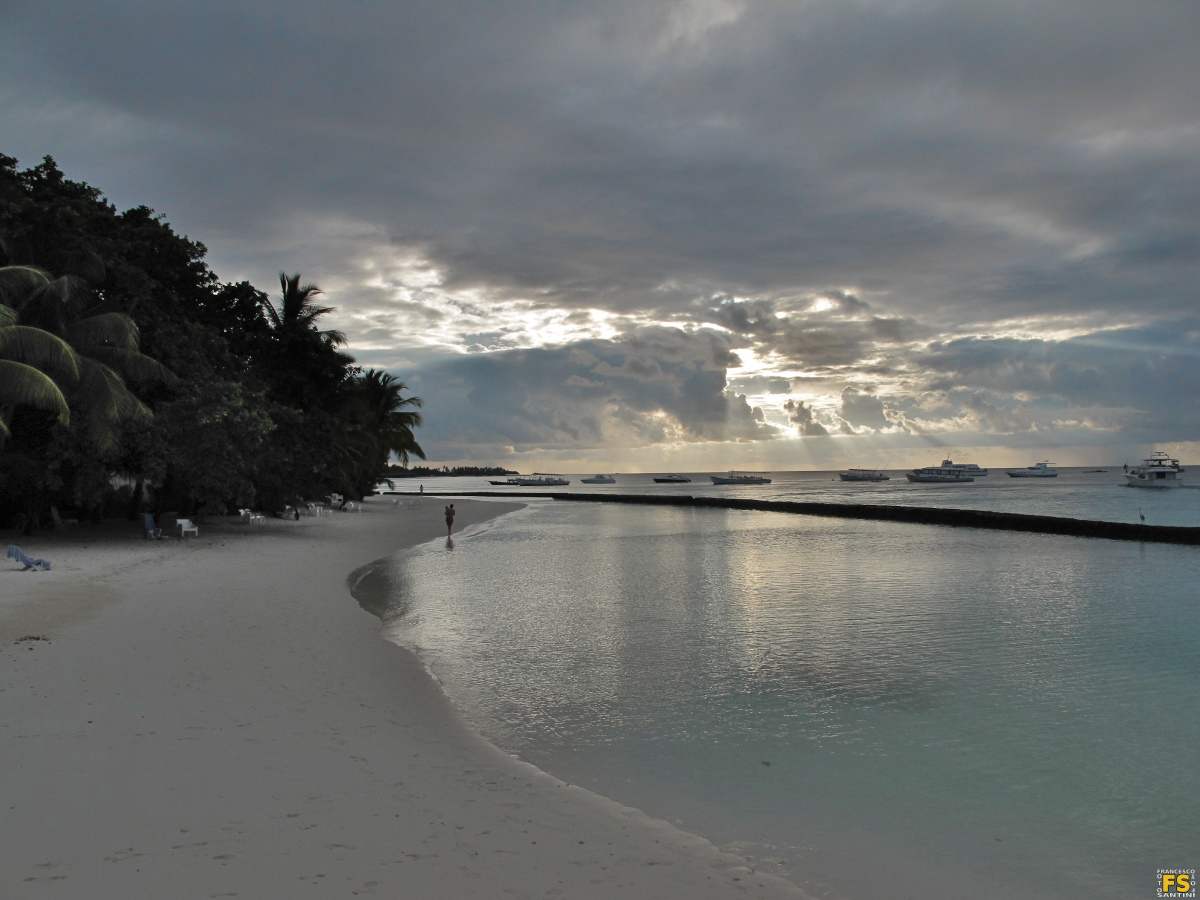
122, 355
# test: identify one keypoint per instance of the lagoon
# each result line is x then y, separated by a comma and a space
871, 708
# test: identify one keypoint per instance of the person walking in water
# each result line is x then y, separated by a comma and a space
449, 519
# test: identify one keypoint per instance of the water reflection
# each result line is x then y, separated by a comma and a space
923, 694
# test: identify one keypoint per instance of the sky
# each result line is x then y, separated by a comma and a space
680, 234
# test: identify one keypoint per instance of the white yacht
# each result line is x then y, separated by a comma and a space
946, 473
1159, 471
541, 479
599, 479
966, 468
671, 479
864, 475
1037, 470
742, 478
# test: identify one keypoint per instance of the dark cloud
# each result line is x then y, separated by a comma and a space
660, 386
862, 410
922, 200
760, 384
801, 416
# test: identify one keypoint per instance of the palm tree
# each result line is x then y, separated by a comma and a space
388, 415
90, 355
298, 312
28, 353
381, 423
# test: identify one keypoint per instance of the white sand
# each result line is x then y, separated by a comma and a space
219, 718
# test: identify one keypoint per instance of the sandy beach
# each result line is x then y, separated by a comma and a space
218, 717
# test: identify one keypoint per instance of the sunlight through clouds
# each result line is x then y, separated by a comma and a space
702, 232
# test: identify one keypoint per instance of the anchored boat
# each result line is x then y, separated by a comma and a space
864, 475
742, 478
1037, 470
1159, 471
946, 473
541, 479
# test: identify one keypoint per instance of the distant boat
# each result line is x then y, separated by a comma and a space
671, 479
511, 480
1037, 470
741, 478
946, 473
1159, 471
599, 479
864, 475
967, 468
541, 479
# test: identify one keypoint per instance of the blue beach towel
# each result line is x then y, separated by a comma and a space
15, 552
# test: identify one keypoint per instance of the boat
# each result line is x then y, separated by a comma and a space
742, 478
512, 479
966, 468
541, 479
946, 473
864, 475
599, 479
1037, 470
671, 479
1158, 471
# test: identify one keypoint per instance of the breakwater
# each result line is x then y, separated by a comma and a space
921, 515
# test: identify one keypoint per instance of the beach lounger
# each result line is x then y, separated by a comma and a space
185, 526
148, 529
29, 562
59, 521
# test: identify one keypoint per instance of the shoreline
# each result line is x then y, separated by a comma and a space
221, 717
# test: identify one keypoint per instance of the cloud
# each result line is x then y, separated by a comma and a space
994, 206
802, 417
660, 386
862, 410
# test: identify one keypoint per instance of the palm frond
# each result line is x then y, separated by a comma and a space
18, 281
40, 349
108, 401
333, 338
133, 365
104, 330
23, 385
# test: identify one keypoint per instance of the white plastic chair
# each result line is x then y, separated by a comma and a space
185, 526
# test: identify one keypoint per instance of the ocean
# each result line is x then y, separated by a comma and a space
872, 709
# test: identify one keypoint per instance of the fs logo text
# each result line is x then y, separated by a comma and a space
1176, 882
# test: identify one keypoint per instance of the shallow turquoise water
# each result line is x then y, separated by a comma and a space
945, 712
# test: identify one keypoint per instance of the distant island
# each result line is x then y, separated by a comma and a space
426, 472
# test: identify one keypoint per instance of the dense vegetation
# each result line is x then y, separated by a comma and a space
131, 378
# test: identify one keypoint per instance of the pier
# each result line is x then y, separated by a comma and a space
921, 515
